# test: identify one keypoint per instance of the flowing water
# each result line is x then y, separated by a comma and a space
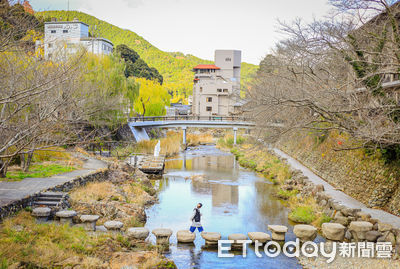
234, 200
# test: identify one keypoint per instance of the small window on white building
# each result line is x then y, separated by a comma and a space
53, 31
209, 99
208, 108
219, 90
228, 59
50, 45
65, 31
225, 90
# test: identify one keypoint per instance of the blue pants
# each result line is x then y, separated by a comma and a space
192, 229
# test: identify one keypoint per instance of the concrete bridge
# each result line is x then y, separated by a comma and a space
138, 124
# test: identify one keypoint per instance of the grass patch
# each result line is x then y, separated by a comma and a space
39, 170
60, 246
228, 140
96, 191
51, 154
44, 245
123, 151
261, 161
285, 194
302, 214
321, 219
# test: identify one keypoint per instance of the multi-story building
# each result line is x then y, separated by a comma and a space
62, 37
216, 89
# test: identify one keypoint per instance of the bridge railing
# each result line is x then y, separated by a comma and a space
189, 118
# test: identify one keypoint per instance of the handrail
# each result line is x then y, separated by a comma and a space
192, 118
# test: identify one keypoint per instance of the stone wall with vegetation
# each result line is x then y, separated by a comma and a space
359, 173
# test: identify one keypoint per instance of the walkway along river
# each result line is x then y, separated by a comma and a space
234, 199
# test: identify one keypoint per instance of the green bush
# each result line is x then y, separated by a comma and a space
302, 214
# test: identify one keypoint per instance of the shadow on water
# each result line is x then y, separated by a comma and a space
234, 200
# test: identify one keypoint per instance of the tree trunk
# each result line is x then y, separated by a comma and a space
28, 161
23, 161
3, 169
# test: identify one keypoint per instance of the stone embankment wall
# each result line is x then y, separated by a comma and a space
17, 205
365, 177
354, 225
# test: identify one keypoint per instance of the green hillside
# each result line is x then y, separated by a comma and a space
175, 67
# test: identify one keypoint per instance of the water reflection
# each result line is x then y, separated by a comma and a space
234, 201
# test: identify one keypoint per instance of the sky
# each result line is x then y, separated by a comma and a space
199, 27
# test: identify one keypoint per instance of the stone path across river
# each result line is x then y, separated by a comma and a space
340, 196
17, 190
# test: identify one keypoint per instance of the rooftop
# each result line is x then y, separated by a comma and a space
206, 66
65, 22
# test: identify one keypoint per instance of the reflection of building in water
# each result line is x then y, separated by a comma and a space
201, 187
214, 163
224, 194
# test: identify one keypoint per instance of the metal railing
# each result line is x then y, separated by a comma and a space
189, 118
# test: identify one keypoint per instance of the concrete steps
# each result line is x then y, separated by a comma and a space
50, 199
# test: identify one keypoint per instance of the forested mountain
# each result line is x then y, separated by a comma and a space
175, 67
135, 66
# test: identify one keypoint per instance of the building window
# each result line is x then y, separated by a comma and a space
208, 108
65, 31
53, 31
219, 90
209, 99
50, 45
228, 59
225, 90
201, 89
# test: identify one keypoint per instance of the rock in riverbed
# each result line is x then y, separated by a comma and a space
333, 231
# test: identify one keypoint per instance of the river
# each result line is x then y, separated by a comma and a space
235, 200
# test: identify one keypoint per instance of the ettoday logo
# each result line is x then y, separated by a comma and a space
309, 249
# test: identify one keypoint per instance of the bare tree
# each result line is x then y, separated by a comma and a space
336, 73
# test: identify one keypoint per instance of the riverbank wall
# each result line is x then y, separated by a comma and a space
365, 177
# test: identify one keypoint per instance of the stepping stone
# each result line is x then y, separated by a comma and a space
211, 238
358, 229
333, 231
113, 225
137, 233
89, 222
305, 232
41, 214
278, 232
66, 216
162, 235
235, 238
259, 236
185, 236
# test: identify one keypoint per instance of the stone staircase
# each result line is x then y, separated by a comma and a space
52, 199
